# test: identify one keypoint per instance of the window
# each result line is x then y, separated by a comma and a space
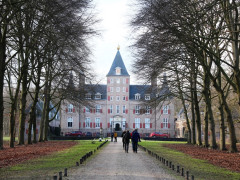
137, 109
123, 122
124, 109
137, 122
117, 98
124, 98
124, 80
97, 122
124, 89
111, 121
165, 109
137, 96
111, 98
87, 110
98, 96
118, 71
147, 122
111, 109
118, 89
70, 108
165, 122
118, 109
147, 110
118, 81
147, 97
111, 80
87, 122
111, 89
88, 96
98, 108
70, 121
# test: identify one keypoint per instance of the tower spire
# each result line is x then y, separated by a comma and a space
118, 47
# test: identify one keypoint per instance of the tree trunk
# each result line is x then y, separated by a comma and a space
206, 127
30, 123
13, 114
233, 139
208, 110
32, 120
198, 119
222, 127
22, 116
193, 115
40, 139
2, 70
33, 116
185, 109
46, 104
34, 130
3, 31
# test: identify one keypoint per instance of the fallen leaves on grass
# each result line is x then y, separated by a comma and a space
219, 158
11, 156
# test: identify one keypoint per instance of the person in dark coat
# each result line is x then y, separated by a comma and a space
124, 132
135, 140
112, 134
127, 138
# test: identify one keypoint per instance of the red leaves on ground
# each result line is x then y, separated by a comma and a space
219, 158
11, 156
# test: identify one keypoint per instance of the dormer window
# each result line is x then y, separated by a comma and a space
118, 71
147, 97
98, 96
137, 96
88, 96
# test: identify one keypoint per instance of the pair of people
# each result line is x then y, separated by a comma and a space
135, 139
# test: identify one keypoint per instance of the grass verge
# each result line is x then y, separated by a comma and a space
201, 169
47, 166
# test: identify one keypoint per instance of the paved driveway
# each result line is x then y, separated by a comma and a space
113, 163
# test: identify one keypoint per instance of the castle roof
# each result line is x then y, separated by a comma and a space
118, 62
140, 89
97, 88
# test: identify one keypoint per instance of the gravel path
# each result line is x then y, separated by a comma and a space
113, 163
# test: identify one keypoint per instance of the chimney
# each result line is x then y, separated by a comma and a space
154, 81
81, 80
70, 82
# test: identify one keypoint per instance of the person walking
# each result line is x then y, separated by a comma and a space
127, 138
112, 134
115, 136
135, 140
124, 132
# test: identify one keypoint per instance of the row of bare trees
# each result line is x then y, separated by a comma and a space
197, 44
40, 43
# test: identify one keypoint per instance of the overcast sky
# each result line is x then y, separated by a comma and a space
115, 16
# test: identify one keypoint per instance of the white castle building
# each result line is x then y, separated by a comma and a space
119, 106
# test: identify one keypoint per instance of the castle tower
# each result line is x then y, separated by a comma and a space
118, 81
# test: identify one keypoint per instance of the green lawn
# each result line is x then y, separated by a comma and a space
201, 169
50, 165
